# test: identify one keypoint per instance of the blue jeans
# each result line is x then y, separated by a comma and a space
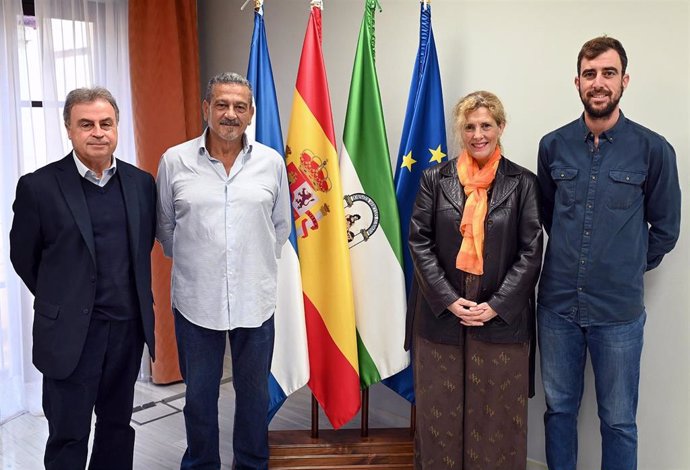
201, 354
615, 352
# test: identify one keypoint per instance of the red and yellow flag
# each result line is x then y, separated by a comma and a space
317, 202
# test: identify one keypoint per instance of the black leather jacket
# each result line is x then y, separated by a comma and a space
512, 256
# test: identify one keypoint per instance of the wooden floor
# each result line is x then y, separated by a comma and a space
389, 449
159, 425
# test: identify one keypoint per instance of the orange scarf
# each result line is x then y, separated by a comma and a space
476, 181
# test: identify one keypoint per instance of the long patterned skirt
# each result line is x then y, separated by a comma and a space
471, 405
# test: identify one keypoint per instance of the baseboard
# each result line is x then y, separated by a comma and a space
534, 465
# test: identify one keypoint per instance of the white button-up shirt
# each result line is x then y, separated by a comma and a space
223, 231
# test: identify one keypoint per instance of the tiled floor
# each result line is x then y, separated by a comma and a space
159, 425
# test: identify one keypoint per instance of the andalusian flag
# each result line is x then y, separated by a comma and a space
373, 226
290, 366
317, 202
423, 144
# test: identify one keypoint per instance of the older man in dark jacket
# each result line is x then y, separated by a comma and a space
81, 241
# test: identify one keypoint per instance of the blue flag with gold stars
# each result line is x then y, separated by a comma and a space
422, 145
423, 141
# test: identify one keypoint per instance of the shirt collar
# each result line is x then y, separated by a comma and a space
87, 173
247, 144
609, 135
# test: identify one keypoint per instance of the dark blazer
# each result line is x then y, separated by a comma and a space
52, 250
512, 255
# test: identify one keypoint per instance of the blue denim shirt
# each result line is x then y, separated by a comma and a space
611, 214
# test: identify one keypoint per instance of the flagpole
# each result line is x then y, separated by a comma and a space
365, 413
314, 417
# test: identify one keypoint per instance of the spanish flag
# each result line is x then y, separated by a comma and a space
318, 210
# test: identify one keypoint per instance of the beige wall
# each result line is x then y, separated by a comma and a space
525, 51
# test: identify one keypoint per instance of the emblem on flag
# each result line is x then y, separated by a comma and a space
306, 180
360, 211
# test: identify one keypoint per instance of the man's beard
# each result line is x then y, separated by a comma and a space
606, 111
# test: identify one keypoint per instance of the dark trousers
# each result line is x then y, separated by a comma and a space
201, 353
103, 380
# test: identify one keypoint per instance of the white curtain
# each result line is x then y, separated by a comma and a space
18, 383
69, 44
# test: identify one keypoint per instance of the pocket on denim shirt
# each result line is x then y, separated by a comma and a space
624, 188
565, 184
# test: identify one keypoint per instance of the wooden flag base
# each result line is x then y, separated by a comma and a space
389, 448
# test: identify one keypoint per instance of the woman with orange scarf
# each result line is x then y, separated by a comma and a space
476, 243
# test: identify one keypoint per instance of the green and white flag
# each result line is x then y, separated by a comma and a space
372, 221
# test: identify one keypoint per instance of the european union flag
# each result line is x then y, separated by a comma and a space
290, 365
423, 141
422, 145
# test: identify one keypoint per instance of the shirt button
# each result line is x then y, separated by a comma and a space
85, 311
589, 206
594, 177
490, 222
582, 261
627, 178
562, 175
579, 289
587, 232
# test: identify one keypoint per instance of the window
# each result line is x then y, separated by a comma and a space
67, 42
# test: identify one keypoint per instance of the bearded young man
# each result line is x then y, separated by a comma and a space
611, 207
